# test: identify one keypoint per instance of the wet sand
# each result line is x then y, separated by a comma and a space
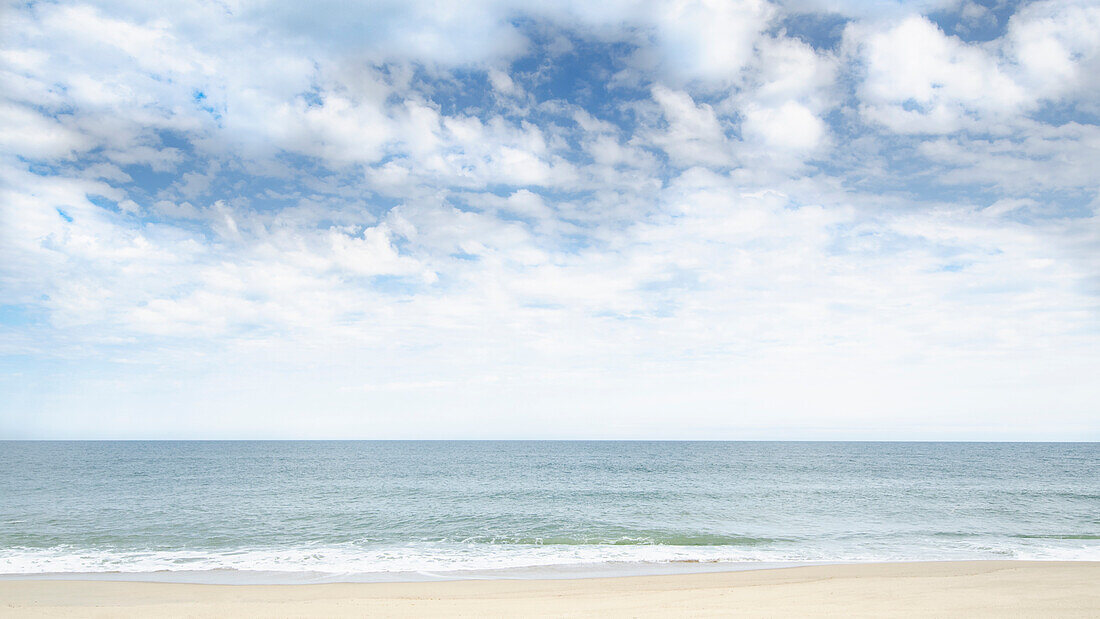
942, 589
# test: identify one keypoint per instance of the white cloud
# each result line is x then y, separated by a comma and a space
371, 252
710, 39
738, 226
1042, 157
33, 135
1057, 49
789, 70
790, 126
918, 80
693, 134
502, 83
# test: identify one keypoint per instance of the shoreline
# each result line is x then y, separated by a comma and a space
945, 588
569, 571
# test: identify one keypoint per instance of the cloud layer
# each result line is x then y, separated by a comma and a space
622, 219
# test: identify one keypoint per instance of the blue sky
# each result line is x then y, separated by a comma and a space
743, 219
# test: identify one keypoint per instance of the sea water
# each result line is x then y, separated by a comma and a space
391, 510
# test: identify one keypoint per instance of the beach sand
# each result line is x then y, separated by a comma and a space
936, 589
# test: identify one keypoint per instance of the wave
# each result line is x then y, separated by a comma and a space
353, 559
1082, 536
464, 556
635, 539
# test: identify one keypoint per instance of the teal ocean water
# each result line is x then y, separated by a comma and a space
407, 510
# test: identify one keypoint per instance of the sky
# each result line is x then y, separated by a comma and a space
804, 219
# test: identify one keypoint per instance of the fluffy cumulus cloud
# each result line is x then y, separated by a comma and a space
681, 219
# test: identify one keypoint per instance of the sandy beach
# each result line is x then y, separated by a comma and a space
959, 589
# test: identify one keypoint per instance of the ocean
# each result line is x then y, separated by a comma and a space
257, 511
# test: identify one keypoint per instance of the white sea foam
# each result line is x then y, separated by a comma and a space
449, 558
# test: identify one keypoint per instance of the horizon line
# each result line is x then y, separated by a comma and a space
516, 440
